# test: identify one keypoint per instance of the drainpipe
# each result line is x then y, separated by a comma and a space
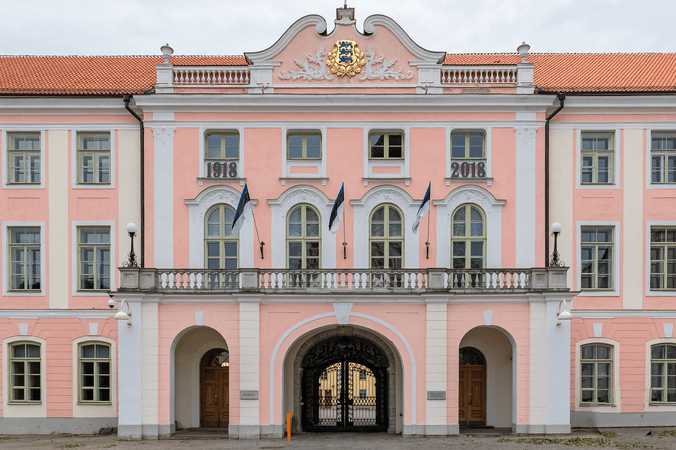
143, 186
562, 97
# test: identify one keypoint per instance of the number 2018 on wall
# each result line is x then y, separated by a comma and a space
468, 170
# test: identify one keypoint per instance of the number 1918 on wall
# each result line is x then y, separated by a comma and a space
225, 169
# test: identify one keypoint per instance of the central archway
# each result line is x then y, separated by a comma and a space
344, 386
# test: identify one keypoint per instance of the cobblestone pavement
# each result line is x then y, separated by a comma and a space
647, 438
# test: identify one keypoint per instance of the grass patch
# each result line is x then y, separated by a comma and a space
72, 445
667, 433
608, 434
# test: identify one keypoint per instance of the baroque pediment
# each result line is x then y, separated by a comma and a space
383, 53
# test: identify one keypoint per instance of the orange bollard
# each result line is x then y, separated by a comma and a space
288, 426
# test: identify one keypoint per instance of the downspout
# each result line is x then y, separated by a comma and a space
143, 186
562, 97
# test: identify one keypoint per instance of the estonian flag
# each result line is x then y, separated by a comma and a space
424, 208
337, 211
243, 207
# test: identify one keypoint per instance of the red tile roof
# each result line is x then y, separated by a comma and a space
116, 75
91, 75
588, 72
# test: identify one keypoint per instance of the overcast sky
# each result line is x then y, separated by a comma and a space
232, 27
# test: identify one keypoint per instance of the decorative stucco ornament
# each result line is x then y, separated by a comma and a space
346, 59
309, 73
382, 73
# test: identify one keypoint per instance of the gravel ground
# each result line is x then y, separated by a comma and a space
625, 438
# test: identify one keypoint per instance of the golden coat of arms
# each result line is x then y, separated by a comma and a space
345, 59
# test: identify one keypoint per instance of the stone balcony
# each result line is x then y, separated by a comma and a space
343, 281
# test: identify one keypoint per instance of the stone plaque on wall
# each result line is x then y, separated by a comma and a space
248, 395
436, 395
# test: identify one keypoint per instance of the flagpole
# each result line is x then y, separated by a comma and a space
261, 244
344, 241
427, 244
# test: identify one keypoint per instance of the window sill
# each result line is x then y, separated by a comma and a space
94, 403
597, 405
311, 178
24, 293
488, 181
202, 180
386, 179
24, 403
94, 186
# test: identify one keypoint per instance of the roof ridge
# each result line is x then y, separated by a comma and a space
120, 56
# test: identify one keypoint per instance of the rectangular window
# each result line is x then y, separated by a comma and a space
662, 258
663, 373
596, 380
24, 158
222, 155
94, 373
93, 158
596, 258
304, 146
597, 158
386, 145
467, 145
24, 259
24, 378
94, 258
663, 158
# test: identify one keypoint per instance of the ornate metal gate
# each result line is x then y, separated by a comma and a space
344, 386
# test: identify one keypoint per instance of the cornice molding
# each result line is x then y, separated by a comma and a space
422, 54
264, 56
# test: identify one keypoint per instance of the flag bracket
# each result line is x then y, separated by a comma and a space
344, 250
262, 244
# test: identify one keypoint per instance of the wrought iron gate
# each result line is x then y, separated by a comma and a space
344, 386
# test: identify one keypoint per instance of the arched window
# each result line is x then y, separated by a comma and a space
94, 372
303, 238
25, 380
220, 249
387, 238
469, 238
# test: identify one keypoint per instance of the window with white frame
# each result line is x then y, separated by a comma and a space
596, 376
93, 158
596, 258
597, 158
663, 158
93, 258
662, 258
468, 154
303, 239
663, 373
94, 373
220, 248
386, 145
25, 379
387, 237
304, 145
24, 259
23, 158
222, 155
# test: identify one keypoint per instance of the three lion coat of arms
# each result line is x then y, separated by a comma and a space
346, 59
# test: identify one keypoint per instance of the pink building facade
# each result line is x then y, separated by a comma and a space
464, 322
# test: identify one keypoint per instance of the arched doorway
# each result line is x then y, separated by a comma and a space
472, 388
214, 388
345, 386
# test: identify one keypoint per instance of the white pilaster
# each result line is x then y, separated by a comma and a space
58, 218
558, 368
631, 152
249, 366
130, 356
163, 198
525, 196
149, 364
538, 365
436, 367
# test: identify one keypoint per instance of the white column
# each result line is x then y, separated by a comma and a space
59, 226
436, 367
525, 196
163, 198
130, 375
558, 368
249, 367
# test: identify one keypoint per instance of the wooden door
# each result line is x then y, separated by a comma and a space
472, 395
214, 398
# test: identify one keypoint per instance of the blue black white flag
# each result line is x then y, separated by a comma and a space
243, 207
424, 209
337, 211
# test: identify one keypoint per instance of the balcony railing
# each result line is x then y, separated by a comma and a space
479, 75
210, 76
271, 281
